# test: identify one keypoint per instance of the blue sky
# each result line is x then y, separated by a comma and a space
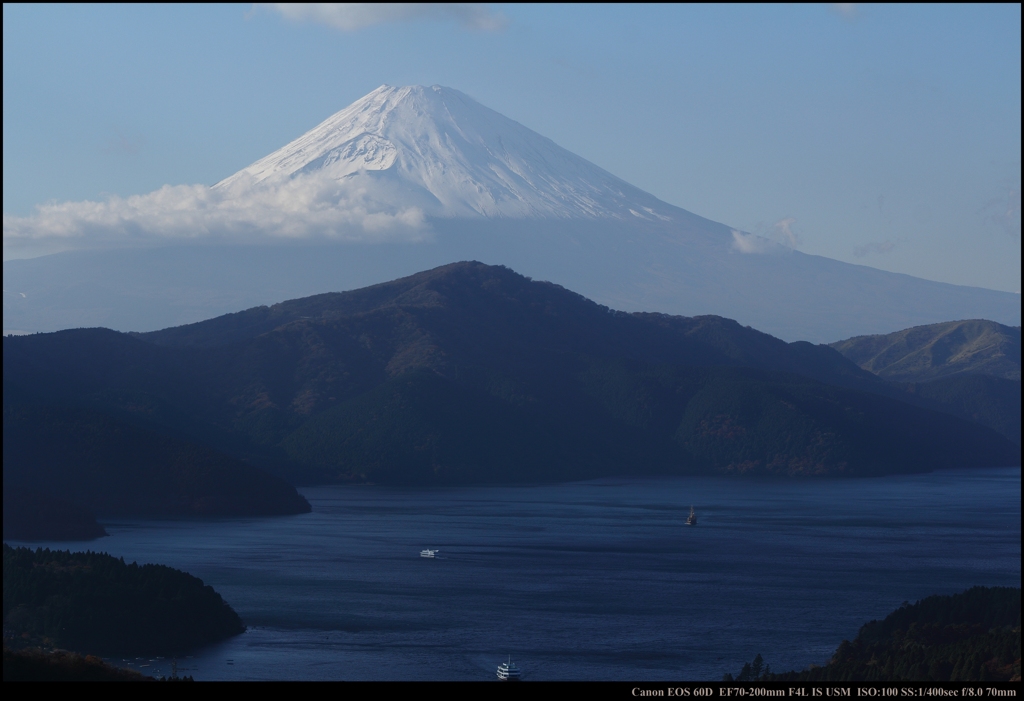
882, 135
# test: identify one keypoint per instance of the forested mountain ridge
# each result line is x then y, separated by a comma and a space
707, 340
924, 353
967, 368
473, 373
493, 306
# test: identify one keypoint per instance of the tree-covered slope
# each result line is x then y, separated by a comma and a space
62, 666
971, 636
423, 428
31, 515
92, 602
923, 353
970, 369
990, 401
112, 468
462, 372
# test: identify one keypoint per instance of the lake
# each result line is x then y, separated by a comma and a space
590, 580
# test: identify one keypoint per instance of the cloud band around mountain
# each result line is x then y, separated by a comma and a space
307, 207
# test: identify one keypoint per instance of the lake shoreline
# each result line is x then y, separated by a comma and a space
585, 580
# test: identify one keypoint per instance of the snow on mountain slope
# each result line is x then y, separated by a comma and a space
438, 149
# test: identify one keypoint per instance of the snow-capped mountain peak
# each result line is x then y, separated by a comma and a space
439, 150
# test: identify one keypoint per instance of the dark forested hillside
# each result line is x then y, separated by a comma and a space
971, 636
32, 515
474, 373
108, 467
990, 401
37, 665
92, 602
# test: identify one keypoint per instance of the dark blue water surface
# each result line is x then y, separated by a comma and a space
589, 580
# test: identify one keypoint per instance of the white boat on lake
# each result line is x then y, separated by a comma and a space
428, 553
508, 672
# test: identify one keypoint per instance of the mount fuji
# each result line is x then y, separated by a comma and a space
439, 150
411, 178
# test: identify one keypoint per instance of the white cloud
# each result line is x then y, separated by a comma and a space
306, 207
352, 16
752, 243
781, 239
784, 234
